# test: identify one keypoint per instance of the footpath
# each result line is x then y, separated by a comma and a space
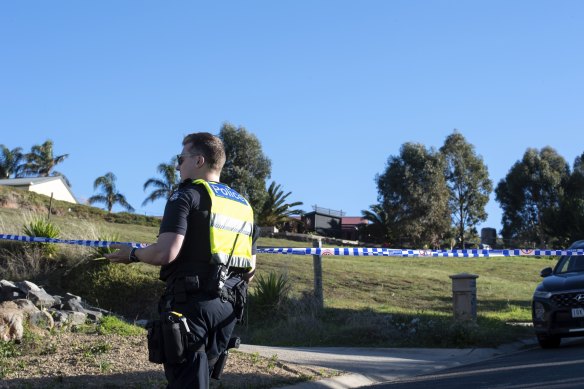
369, 366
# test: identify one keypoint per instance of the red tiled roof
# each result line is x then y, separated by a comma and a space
353, 220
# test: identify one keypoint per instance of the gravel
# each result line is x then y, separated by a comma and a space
78, 360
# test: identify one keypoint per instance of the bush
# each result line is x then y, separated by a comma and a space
271, 292
123, 289
100, 252
40, 227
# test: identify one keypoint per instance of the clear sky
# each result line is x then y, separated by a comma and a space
330, 88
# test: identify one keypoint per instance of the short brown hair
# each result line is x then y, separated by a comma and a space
210, 146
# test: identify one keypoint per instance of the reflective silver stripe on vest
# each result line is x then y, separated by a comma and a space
230, 224
234, 262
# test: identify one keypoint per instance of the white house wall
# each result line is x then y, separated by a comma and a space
56, 187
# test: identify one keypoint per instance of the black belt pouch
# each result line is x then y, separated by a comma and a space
155, 342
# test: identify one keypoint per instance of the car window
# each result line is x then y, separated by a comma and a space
569, 264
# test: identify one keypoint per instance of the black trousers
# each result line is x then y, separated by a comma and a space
213, 321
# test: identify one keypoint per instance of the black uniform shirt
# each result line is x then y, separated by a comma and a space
187, 213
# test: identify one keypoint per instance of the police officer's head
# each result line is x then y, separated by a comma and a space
202, 152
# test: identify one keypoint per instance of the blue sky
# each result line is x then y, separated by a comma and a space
330, 88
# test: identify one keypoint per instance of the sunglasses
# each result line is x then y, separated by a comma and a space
181, 157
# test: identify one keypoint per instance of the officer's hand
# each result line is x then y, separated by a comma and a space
120, 256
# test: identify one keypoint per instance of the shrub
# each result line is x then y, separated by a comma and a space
100, 252
271, 292
40, 227
125, 290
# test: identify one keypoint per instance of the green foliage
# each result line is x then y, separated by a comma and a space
271, 292
379, 228
533, 188
468, 183
8, 349
100, 252
11, 162
40, 227
163, 187
276, 211
566, 224
112, 325
112, 286
413, 192
110, 195
246, 168
41, 161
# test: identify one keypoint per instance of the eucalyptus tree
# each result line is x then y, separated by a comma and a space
469, 186
413, 190
567, 224
532, 189
165, 186
11, 162
275, 210
110, 195
41, 161
246, 168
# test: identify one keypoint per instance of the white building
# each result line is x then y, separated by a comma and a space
55, 186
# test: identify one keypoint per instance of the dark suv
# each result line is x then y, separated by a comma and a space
558, 301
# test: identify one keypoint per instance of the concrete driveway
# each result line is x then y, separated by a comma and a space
368, 366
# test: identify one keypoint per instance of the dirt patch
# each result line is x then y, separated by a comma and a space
74, 360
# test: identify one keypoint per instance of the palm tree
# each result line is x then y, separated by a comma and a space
380, 226
275, 210
165, 186
41, 162
110, 195
11, 162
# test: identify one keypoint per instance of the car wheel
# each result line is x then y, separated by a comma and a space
549, 341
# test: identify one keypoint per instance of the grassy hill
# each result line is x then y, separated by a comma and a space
369, 301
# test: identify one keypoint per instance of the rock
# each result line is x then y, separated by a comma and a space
9, 291
11, 319
94, 315
42, 319
40, 298
27, 286
76, 318
60, 318
73, 305
26, 305
70, 296
7, 284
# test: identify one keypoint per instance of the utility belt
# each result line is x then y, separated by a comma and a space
170, 338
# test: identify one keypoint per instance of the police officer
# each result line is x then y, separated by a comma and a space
205, 247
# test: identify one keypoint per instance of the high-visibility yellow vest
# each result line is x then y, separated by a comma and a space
231, 226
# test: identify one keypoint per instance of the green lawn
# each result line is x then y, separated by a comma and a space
367, 299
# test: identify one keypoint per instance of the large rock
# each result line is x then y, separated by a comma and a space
26, 305
41, 299
9, 291
27, 286
73, 305
77, 318
11, 321
42, 319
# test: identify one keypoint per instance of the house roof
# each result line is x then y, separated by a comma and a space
354, 220
30, 180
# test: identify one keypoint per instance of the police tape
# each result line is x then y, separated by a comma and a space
384, 252
337, 251
78, 242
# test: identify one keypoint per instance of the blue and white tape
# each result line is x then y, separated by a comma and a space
337, 251
89, 243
